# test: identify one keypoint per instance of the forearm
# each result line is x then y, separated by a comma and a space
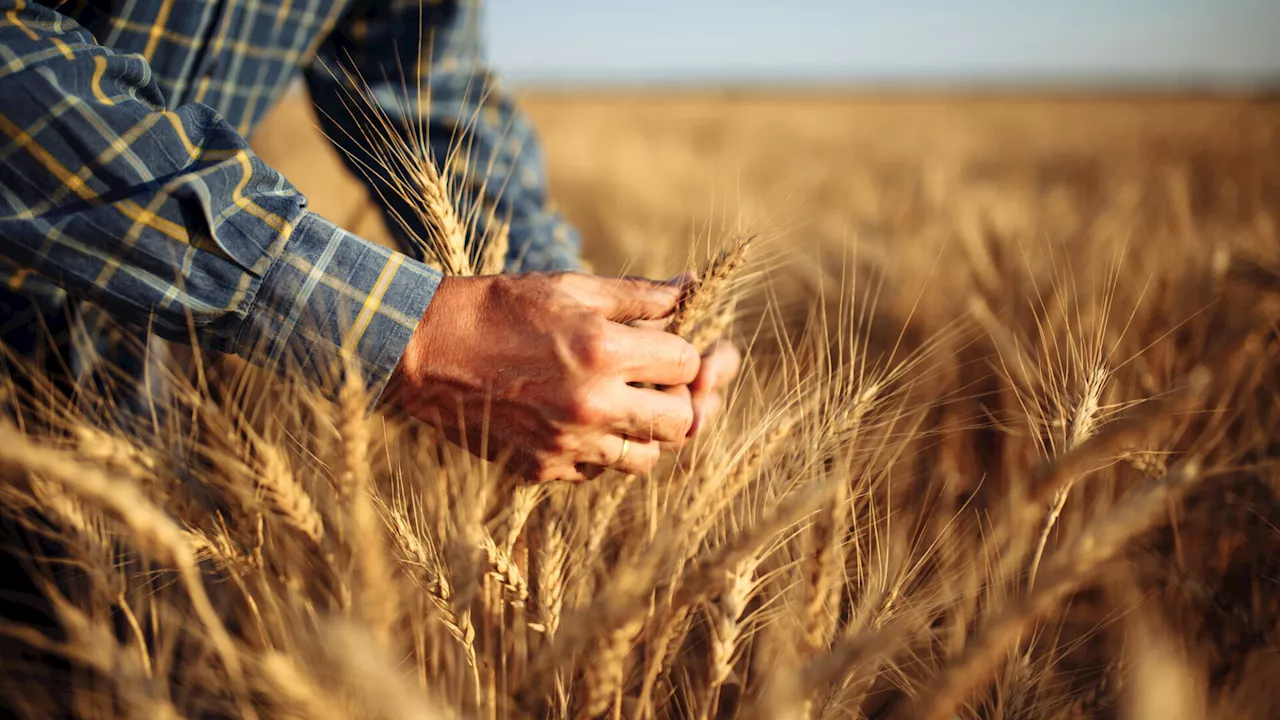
474, 129
168, 220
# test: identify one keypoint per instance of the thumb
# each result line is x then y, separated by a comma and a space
628, 299
683, 280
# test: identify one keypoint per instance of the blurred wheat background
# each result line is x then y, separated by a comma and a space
1004, 447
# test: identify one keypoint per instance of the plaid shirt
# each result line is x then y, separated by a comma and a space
125, 179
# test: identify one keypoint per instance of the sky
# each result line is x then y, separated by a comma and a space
926, 41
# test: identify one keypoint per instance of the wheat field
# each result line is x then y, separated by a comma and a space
1001, 448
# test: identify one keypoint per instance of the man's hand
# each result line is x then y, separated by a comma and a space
541, 368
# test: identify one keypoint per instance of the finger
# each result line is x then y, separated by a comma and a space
682, 394
623, 299
662, 415
660, 324
683, 280
607, 453
706, 408
567, 474
719, 367
640, 458
531, 470
653, 356
590, 471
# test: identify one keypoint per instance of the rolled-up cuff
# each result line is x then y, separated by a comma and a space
333, 301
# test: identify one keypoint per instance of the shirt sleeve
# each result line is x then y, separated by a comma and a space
169, 221
423, 67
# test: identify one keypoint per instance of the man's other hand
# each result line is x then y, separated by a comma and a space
720, 365
543, 370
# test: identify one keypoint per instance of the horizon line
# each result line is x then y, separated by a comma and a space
1163, 80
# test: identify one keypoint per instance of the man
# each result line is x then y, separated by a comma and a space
125, 182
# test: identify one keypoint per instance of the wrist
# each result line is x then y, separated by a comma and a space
436, 353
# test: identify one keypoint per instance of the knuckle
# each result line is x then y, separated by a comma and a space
591, 344
550, 475
558, 446
586, 407
520, 286
655, 294
555, 471
530, 288
566, 283
539, 470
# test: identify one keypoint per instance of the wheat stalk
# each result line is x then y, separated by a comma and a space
808, 556
289, 499
150, 528
375, 591
726, 630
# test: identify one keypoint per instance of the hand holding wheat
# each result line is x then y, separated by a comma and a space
721, 359
543, 368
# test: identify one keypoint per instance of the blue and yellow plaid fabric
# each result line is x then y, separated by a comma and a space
125, 179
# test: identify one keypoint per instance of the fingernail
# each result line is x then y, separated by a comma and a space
682, 279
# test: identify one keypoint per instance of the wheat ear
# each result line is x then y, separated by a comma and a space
1084, 422
612, 616
824, 565
660, 652
605, 673
523, 501
493, 256
552, 557
718, 566
1062, 574
375, 592
503, 569
286, 495
411, 173
605, 509
726, 630
442, 218
456, 621
707, 293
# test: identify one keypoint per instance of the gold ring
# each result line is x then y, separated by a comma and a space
626, 445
